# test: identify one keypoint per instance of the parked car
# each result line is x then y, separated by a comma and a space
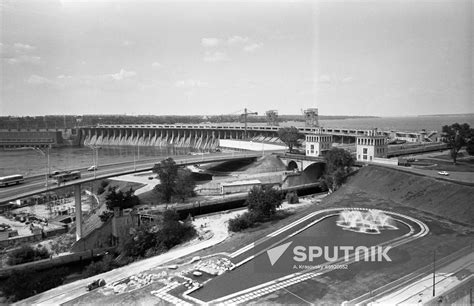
92, 168
443, 173
96, 284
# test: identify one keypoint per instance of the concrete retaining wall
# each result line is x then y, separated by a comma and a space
385, 161
249, 145
54, 261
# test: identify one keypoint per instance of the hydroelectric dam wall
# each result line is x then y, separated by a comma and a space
200, 136
185, 136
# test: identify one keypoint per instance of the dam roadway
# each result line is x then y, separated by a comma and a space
37, 184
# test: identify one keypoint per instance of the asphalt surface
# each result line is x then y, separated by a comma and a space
259, 270
37, 184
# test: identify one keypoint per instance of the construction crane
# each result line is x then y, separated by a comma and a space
244, 116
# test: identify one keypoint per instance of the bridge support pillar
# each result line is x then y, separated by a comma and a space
78, 207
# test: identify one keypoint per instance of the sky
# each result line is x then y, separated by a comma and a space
379, 58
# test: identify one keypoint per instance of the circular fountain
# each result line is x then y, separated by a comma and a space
370, 221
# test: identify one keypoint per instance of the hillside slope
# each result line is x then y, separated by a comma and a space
448, 200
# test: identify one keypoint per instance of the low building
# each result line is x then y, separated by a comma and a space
370, 146
239, 186
318, 143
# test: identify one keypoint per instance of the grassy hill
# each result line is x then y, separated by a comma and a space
437, 197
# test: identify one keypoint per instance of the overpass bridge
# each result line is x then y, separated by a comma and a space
36, 185
204, 136
299, 162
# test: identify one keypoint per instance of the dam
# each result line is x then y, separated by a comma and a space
198, 136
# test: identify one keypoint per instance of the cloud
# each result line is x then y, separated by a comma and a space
216, 56
237, 40
156, 65
121, 75
39, 80
209, 42
347, 79
19, 47
334, 80
190, 83
19, 53
122, 80
24, 59
127, 43
253, 47
325, 79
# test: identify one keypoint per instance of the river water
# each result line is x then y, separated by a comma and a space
31, 162
404, 124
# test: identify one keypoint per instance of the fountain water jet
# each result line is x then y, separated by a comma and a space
371, 221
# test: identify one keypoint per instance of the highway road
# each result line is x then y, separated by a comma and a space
37, 184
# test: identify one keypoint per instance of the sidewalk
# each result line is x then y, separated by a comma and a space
62, 294
421, 291
141, 179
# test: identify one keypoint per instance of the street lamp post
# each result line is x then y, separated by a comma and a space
95, 158
134, 161
434, 273
48, 163
136, 157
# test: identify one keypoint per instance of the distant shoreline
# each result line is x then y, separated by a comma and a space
446, 115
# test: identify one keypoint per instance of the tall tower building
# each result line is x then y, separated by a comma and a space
311, 117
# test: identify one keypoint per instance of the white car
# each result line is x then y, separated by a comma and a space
92, 168
443, 173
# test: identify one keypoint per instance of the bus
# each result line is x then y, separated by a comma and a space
11, 180
65, 177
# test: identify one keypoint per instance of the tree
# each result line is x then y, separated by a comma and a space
457, 136
151, 239
337, 158
470, 147
106, 215
167, 171
174, 182
27, 253
173, 231
338, 165
121, 200
107, 263
22, 284
184, 187
290, 136
263, 202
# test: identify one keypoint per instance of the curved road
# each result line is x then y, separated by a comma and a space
35, 185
